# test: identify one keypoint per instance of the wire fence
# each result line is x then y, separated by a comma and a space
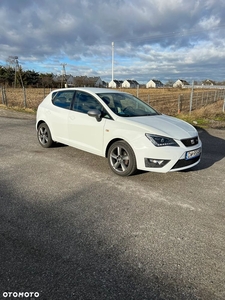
173, 103
23, 97
168, 101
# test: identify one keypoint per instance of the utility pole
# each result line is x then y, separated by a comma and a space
63, 75
14, 61
112, 61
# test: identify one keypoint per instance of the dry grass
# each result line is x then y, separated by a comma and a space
210, 111
211, 115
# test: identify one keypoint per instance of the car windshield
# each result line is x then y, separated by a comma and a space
127, 105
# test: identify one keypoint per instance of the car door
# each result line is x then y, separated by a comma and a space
58, 116
85, 132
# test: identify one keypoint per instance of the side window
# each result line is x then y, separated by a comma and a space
63, 99
84, 102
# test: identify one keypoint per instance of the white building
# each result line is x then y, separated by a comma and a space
180, 83
130, 84
154, 84
115, 84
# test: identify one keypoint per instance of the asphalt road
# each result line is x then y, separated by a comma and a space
71, 229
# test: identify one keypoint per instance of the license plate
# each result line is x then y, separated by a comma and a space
193, 153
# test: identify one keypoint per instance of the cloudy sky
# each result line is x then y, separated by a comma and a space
160, 39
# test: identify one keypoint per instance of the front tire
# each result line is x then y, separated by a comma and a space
121, 159
44, 135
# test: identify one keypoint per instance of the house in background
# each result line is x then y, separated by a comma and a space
130, 84
84, 81
180, 83
208, 82
64, 80
153, 83
115, 84
94, 82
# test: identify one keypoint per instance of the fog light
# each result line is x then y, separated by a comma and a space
155, 163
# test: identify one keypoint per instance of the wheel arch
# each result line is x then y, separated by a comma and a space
116, 140
110, 143
39, 123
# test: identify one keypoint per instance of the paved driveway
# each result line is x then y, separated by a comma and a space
71, 229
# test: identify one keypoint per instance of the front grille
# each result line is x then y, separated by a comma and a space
184, 163
190, 142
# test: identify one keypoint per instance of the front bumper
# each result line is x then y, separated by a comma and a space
169, 159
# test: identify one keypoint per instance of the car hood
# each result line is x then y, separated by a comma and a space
166, 126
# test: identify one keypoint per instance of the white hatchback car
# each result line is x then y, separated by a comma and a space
119, 126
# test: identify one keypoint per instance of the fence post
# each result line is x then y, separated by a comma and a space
5, 97
148, 99
224, 104
179, 100
3, 102
137, 90
202, 98
191, 97
25, 98
215, 96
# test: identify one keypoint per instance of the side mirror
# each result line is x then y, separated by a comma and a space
96, 114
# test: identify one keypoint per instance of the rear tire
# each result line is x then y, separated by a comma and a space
121, 159
44, 135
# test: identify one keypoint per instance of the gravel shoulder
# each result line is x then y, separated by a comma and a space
10, 113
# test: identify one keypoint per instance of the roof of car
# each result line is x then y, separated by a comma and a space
90, 89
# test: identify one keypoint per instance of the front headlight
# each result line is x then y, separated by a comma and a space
161, 141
